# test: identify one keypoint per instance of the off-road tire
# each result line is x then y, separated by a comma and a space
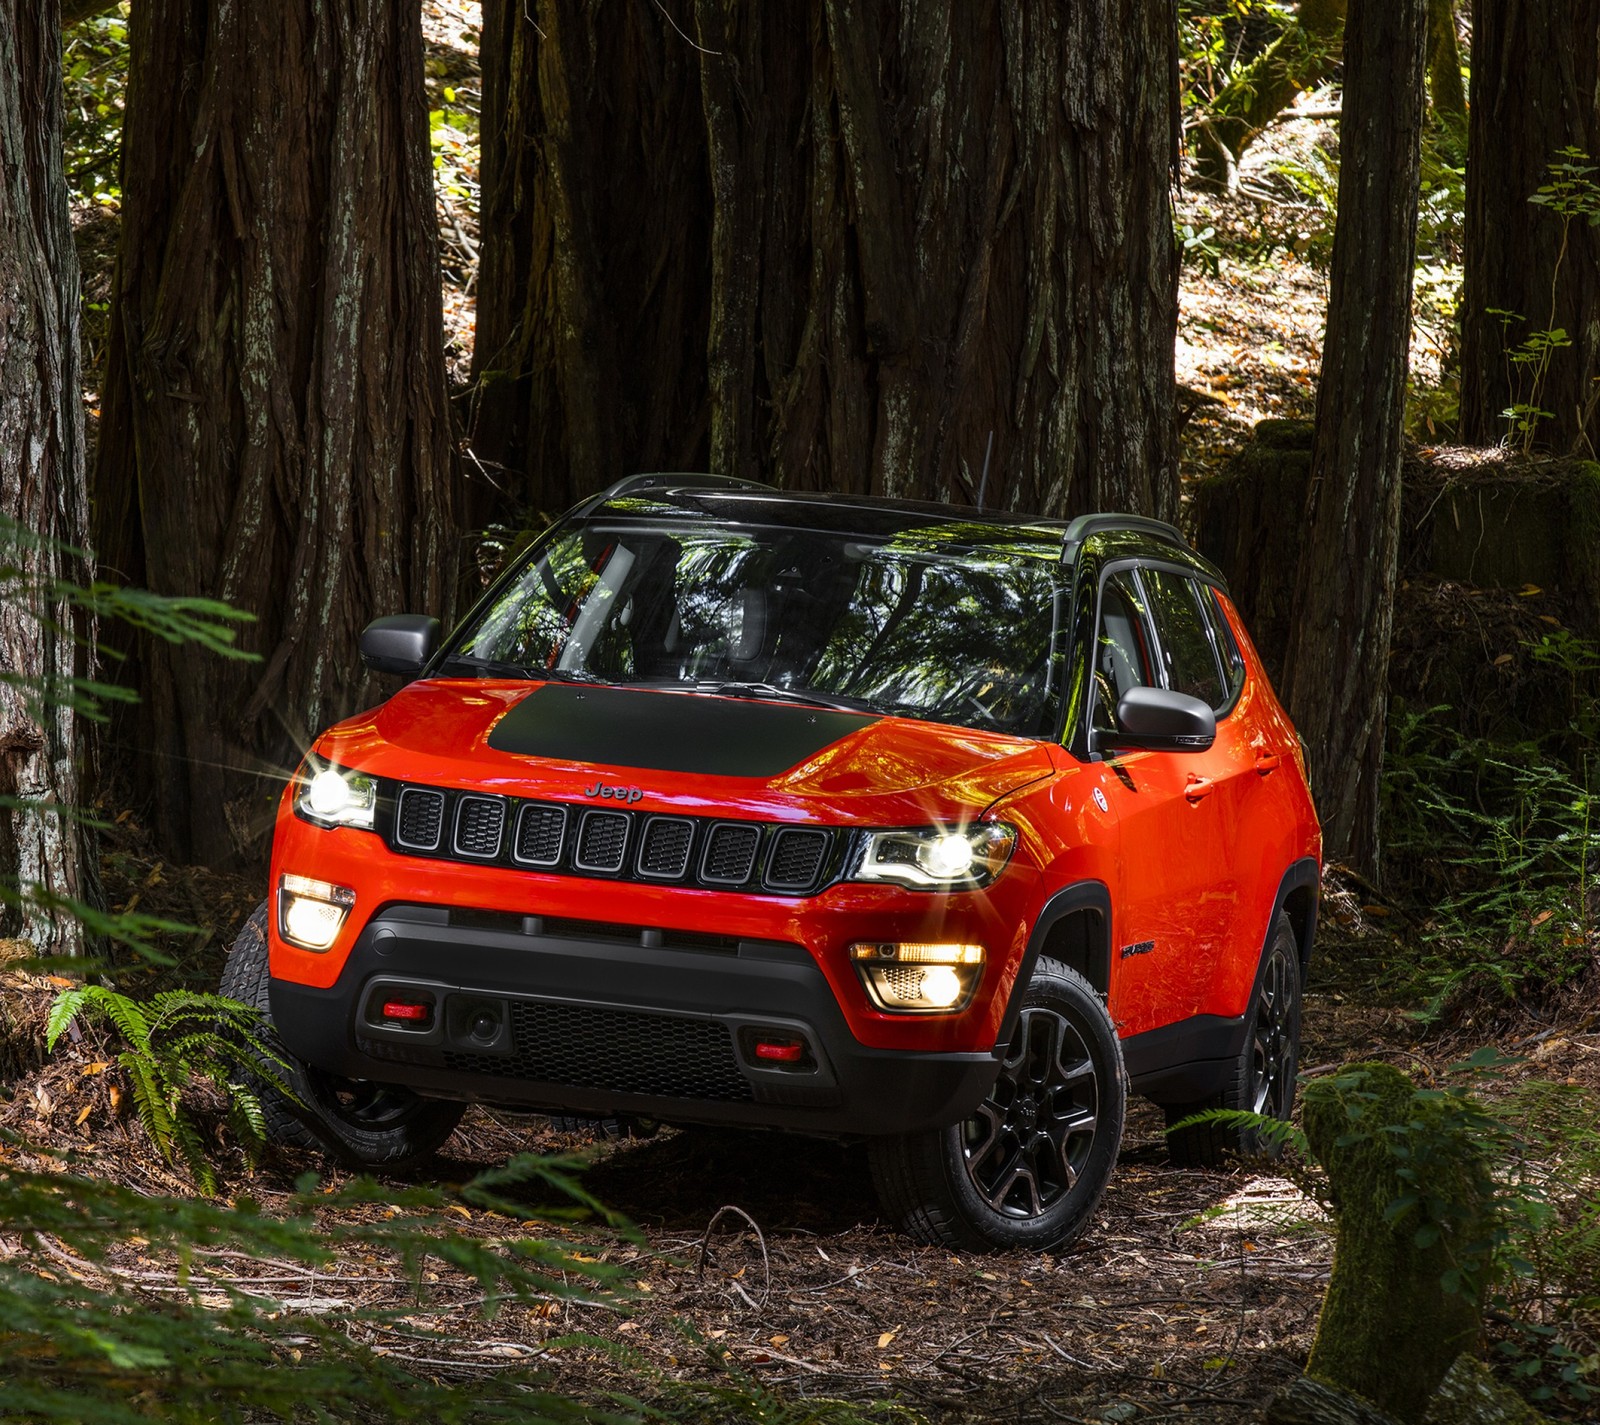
1262, 1078
932, 1185
407, 1129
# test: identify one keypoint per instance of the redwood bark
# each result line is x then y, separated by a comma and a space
274, 430
589, 353
1335, 668
1535, 90
929, 224
42, 493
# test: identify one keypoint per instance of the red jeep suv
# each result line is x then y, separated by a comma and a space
851, 817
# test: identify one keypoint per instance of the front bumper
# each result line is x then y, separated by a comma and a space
535, 1013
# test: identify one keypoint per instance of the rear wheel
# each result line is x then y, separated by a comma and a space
1027, 1170
363, 1124
1262, 1078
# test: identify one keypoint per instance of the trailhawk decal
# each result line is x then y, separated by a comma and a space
668, 732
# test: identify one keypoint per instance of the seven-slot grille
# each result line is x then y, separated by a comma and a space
577, 839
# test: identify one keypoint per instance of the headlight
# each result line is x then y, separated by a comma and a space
918, 978
311, 913
332, 796
936, 857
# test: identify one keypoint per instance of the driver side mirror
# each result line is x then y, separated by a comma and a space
399, 643
1159, 720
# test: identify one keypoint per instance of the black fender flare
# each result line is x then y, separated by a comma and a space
1090, 895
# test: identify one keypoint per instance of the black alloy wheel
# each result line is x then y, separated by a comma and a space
1028, 1168
1027, 1145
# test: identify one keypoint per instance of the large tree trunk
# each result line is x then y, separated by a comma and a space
588, 357
1336, 663
1535, 82
274, 429
930, 225
43, 503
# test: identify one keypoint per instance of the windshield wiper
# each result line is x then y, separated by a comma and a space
773, 693
495, 668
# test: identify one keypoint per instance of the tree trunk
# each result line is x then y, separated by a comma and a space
1336, 661
44, 507
1535, 80
1299, 59
589, 355
930, 225
274, 430
1445, 88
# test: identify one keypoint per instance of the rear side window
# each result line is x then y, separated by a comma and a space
1122, 653
1227, 646
1188, 646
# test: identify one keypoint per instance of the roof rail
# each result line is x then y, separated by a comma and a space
1085, 525
632, 484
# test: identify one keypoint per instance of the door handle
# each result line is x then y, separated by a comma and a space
1266, 762
1198, 790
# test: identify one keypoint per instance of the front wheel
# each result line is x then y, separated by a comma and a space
1027, 1170
363, 1124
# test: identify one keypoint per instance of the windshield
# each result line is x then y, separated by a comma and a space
913, 624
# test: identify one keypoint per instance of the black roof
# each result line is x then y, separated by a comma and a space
720, 496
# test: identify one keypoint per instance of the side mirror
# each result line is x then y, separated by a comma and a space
1157, 720
399, 643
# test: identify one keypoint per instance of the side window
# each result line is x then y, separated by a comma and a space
1226, 645
1187, 646
1122, 655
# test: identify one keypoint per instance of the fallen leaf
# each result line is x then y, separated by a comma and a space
1502, 660
887, 1337
1550, 619
1529, 590
1542, 916
459, 1210
777, 1340
628, 1326
98, 1067
87, 1109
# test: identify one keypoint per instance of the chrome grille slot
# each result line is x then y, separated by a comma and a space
541, 830
419, 819
796, 859
602, 841
665, 853
730, 854
479, 824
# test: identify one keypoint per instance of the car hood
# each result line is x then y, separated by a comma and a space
694, 753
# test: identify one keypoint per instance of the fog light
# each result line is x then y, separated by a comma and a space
311, 913
918, 977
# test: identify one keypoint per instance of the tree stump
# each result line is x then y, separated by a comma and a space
1406, 1294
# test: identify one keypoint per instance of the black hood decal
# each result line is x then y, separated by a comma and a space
669, 732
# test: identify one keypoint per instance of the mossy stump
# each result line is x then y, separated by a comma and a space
1406, 1294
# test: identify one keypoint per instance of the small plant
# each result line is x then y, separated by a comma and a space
1573, 195
171, 1041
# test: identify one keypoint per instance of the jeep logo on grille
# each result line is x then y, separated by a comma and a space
621, 794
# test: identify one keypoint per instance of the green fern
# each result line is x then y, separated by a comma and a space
172, 1041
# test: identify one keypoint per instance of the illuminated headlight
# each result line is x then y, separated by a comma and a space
938, 858
311, 913
334, 797
918, 978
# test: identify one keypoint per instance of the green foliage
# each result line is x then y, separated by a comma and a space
1550, 1305
95, 73
1198, 246
1572, 193
1503, 844
1217, 37
129, 1308
172, 1041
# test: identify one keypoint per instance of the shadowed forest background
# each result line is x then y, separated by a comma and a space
312, 312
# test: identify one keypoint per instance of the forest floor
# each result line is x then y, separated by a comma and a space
1193, 1296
